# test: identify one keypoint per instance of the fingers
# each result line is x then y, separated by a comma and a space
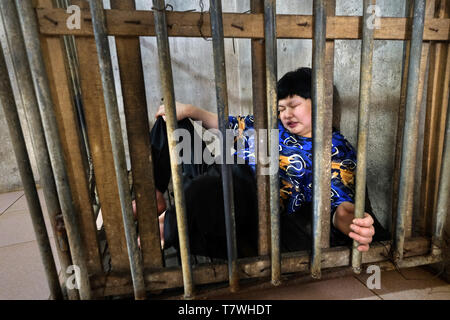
359, 238
161, 112
363, 248
363, 231
367, 221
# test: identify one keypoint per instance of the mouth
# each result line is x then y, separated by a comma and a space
291, 124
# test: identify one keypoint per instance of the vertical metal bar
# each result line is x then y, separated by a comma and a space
30, 33
270, 32
21, 68
443, 193
363, 127
328, 129
259, 110
318, 118
410, 130
401, 118
171, 121
118, 149
222, 112
26, 173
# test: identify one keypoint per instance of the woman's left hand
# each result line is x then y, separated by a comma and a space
359, 229
362, 231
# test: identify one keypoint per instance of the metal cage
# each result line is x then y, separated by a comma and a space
67, 87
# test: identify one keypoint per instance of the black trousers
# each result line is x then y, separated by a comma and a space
203, 191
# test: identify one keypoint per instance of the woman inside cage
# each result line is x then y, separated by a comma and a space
203, 184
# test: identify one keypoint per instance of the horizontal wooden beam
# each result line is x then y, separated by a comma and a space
236, 25
258, 267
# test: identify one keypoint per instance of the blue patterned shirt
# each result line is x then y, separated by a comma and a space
295, 170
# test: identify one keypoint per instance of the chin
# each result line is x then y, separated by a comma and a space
295, 130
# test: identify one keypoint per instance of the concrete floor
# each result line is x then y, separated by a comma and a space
22, 275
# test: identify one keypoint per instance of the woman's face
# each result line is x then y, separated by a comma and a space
295, 115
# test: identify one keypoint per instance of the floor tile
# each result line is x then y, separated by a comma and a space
334, 289
8, 199
22, 274
21, 204
370, 298
412, 283
16, 227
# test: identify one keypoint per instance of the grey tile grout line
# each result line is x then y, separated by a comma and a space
367, 287
19, 243
11, 204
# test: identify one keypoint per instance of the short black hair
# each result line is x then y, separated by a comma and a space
296, 82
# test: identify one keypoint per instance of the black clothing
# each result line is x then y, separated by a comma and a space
205, 211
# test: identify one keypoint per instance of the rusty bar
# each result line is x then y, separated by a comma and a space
270, 31
401, 118
222, 112
444, 191
363, 126
171, 120
409, 146
26, 174
28, 22
16, 45
115, 132
259, 110
318, 117
328, 128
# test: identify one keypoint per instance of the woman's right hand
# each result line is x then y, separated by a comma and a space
183, 111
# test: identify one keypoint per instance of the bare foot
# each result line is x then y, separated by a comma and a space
134, 209
160, 202
161, 228
161, 209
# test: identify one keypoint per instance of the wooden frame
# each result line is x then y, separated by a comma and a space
236, 25
258, 267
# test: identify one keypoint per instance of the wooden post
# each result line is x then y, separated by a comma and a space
135, 106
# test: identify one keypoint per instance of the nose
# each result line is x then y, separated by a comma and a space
288, 113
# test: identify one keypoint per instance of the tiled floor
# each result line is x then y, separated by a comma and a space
411, 284
22, 275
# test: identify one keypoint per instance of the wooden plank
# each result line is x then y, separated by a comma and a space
256, 267
236, 25
68, 127
434, 124
133, 90
101, 151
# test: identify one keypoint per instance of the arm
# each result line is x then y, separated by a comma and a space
361, 230
209, 120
